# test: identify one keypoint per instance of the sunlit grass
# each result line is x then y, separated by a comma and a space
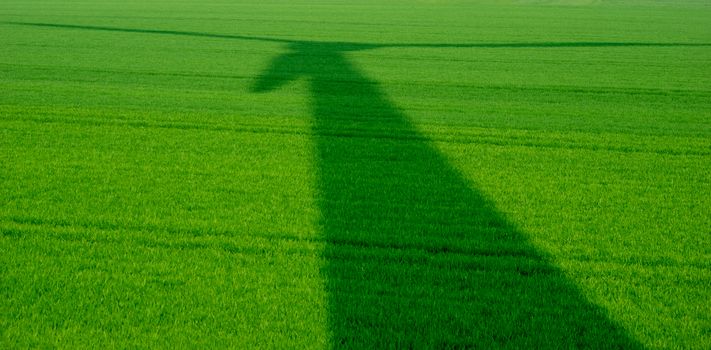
468, 178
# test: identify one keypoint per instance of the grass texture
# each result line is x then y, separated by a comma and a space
370, 174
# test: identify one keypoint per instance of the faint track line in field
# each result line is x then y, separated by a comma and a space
442, 246
472, 89
128, 71
428, 252
480, 138
602, 90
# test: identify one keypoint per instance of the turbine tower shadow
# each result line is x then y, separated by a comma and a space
416, 258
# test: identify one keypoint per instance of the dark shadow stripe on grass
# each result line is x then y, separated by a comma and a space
353, 46
384, 192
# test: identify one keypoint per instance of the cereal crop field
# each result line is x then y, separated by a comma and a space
355, 174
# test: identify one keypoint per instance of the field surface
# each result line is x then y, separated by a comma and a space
355, 174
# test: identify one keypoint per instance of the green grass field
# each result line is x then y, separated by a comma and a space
355, 174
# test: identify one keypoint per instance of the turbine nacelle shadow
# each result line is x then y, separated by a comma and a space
299, 62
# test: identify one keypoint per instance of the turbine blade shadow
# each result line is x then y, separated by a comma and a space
353, 46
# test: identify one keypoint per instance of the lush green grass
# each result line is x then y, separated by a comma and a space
374, 174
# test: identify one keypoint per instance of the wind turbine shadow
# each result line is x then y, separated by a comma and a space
416, 258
